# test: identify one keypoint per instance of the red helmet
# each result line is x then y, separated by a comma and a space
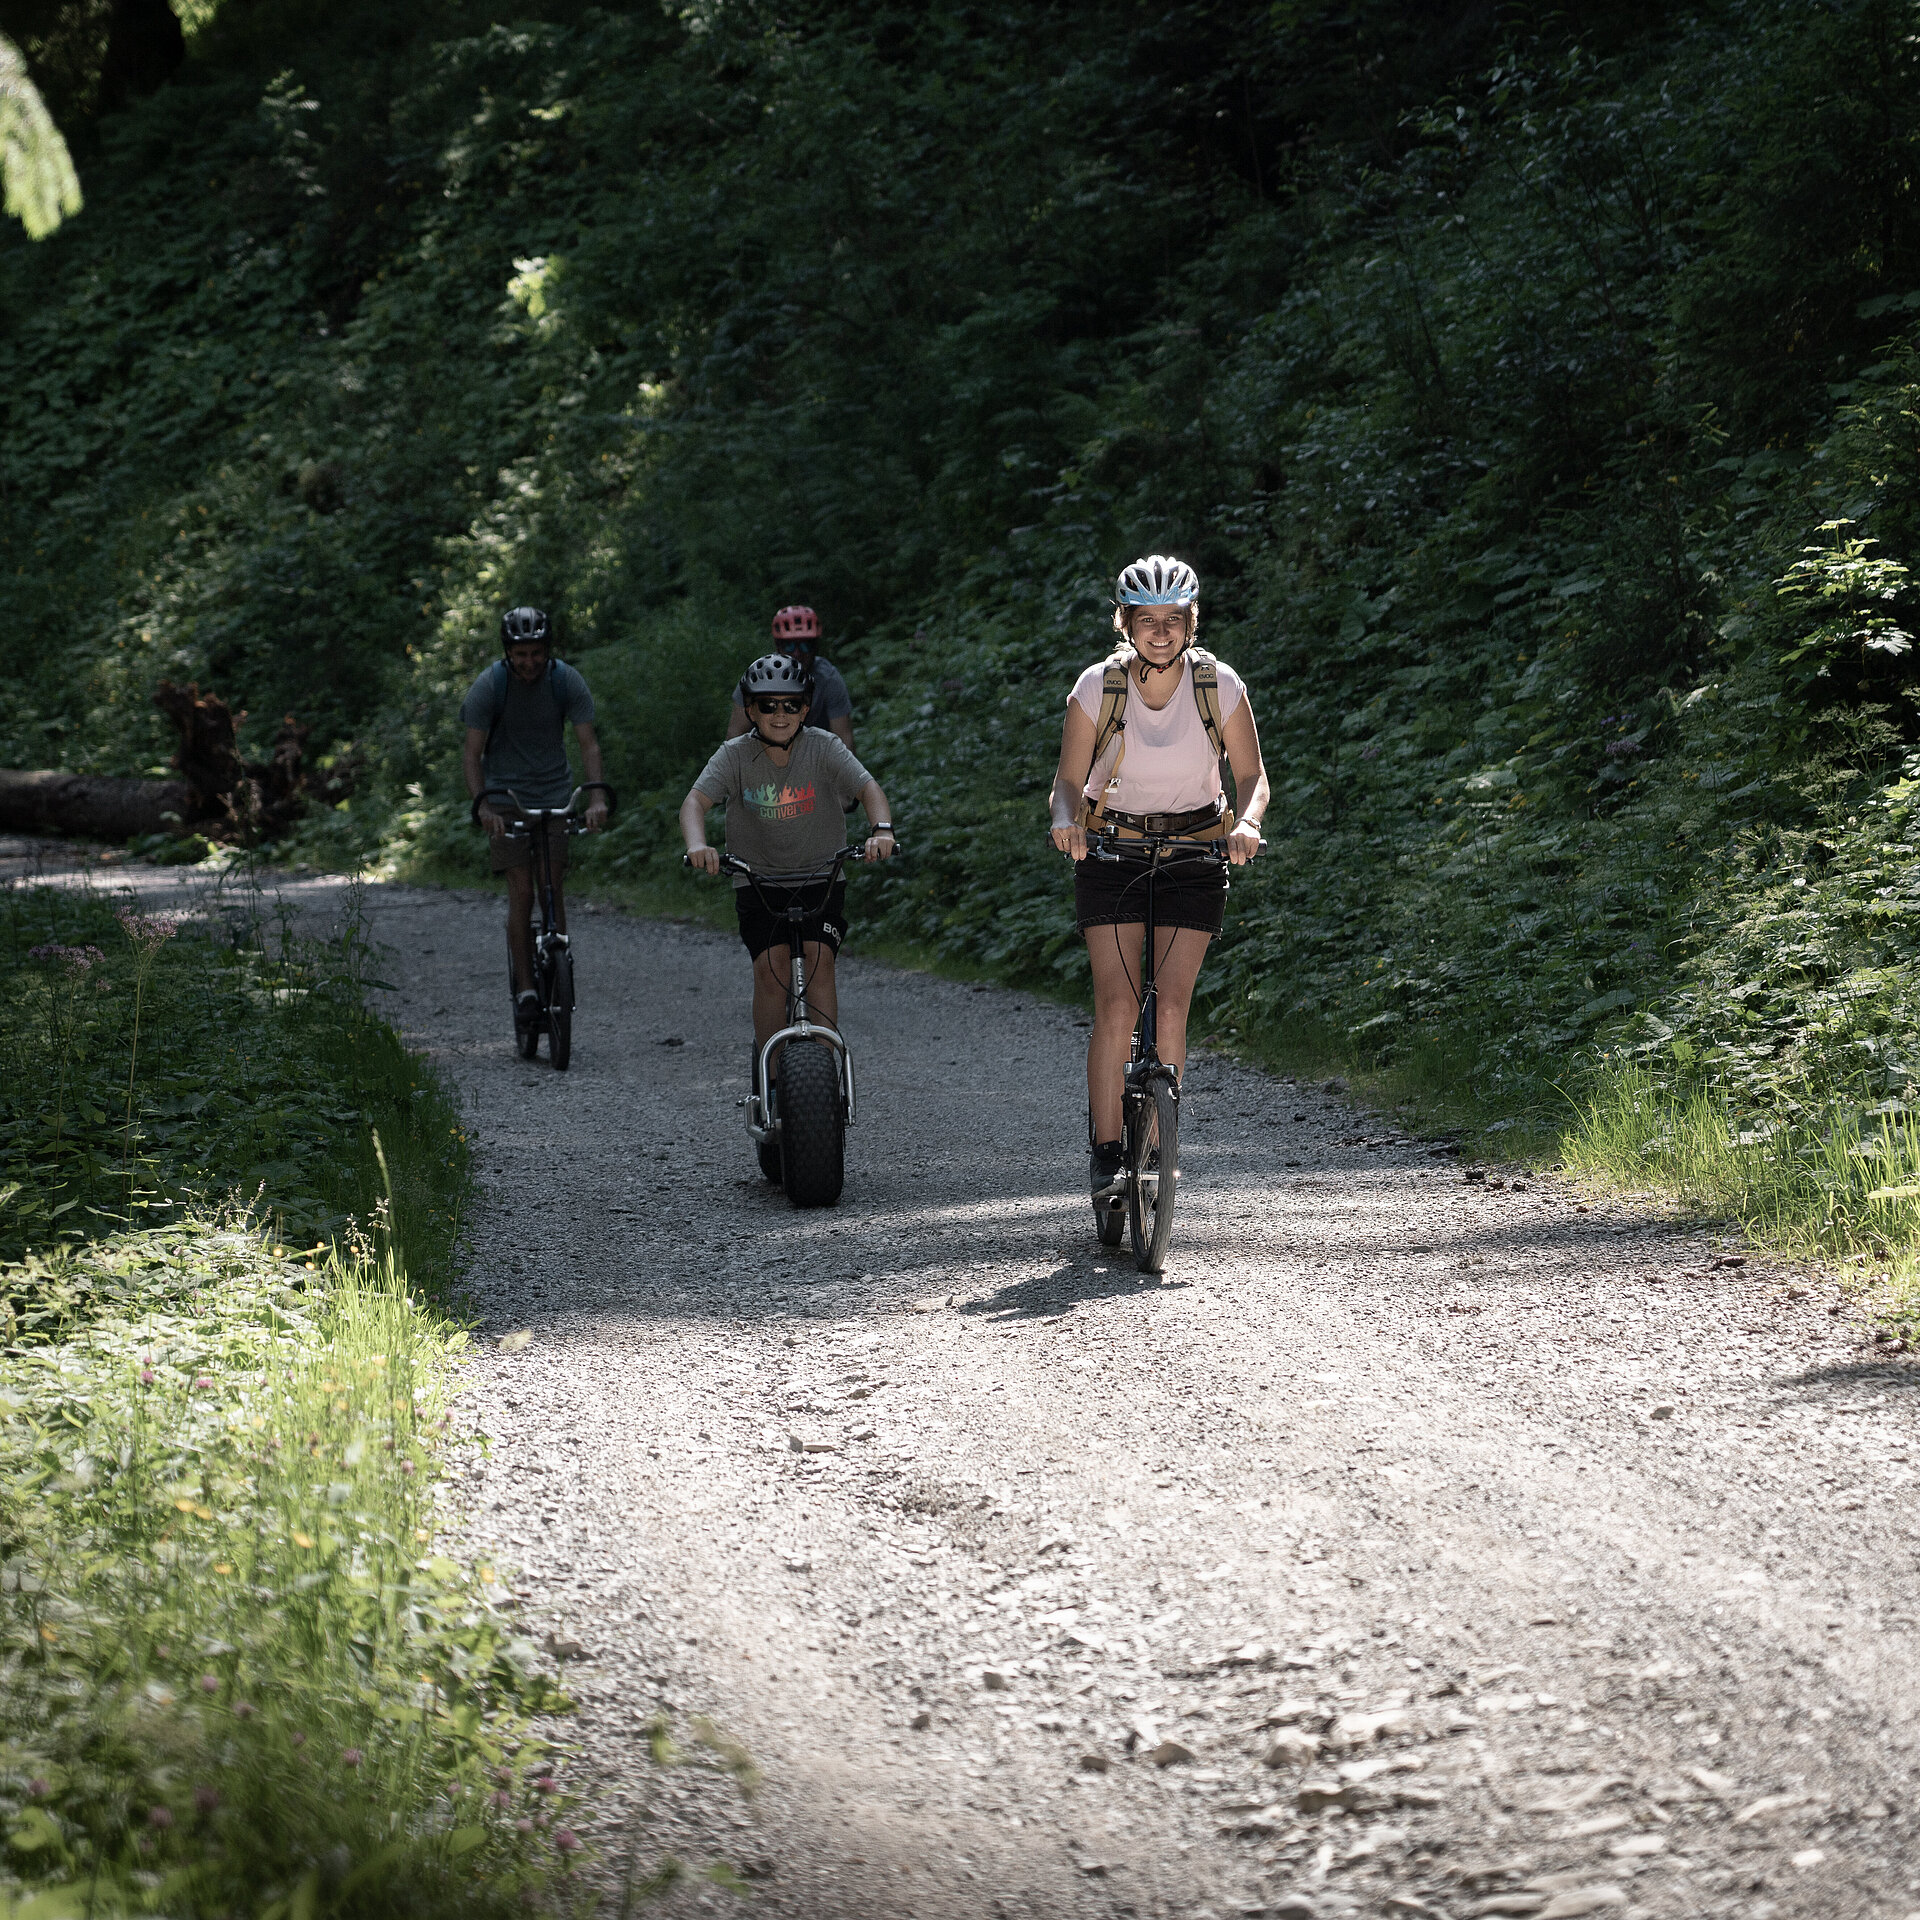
796, 623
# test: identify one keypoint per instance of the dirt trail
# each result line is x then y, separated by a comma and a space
1416, 1546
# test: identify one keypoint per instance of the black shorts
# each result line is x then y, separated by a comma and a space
1186, 893
761, 929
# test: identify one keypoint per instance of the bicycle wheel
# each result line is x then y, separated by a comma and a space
1153, 1173
1109, 1221
560, 1012
813, 1125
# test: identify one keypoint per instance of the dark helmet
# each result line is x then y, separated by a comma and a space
796, 623
776, 673
523, 627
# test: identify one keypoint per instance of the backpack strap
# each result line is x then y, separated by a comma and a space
500, 690
1111, 723
1205, 668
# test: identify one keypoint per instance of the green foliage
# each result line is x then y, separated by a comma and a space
239, 1679
152, 1066
1539, 411
41, 186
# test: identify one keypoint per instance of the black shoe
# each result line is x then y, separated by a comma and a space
526, 1007
1107, 1169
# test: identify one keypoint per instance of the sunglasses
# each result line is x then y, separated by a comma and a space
780, 706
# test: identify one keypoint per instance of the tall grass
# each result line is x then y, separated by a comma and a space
1836, 1182
233, 1660
150, 1067
238, 1676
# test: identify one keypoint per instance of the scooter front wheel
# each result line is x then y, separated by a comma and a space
1153, 1172
813, 1125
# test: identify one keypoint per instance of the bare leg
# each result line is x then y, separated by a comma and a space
1115, 956
520, 926
772, 971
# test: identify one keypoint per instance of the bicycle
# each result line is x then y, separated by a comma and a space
1150, 1103
800, 1137
552, 949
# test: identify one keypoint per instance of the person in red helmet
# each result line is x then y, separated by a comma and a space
796, 633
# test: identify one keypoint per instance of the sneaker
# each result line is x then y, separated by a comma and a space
1107, 1169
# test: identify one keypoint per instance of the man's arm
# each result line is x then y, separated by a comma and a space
842, 724
590, 759
737, 721
470, 762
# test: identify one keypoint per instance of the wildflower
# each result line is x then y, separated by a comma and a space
503, 1800
204, 1381
546, 1784
243, 1709
523, 1825
148, 930
209, 1683
206, 1798
161, 1817
406, 1466
146, 1376
37, 1789
298, 1738
78, 958
565, 1839
351, 1756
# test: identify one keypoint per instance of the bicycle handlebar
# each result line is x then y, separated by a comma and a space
1106, 845
528, 815
728, 864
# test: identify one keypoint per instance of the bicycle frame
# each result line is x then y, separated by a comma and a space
1145, 1066
760, 1123
534, 824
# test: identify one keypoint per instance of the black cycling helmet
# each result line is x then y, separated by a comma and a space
776, 673
524, 627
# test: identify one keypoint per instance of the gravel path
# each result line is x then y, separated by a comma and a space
1418, 1545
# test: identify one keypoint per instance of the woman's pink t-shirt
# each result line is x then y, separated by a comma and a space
1168, 766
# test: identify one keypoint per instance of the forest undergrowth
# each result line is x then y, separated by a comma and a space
245, 1674
1538, 405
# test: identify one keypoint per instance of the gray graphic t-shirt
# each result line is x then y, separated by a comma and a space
528, 751
831, 700
784, 819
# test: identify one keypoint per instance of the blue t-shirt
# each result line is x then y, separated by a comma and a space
528, 751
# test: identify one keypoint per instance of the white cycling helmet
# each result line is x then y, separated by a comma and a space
776, 673
1159, 580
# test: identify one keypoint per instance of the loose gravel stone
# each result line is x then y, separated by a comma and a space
1465, 1530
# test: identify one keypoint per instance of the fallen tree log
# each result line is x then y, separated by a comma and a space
91, 806
219, 794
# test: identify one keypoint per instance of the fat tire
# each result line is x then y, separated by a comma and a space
560, 1012
813, 1125
769, 1153
1153, 1129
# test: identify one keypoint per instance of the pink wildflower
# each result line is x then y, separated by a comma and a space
565, 1839
161, 1817
206, 1798
209, 1683
351, 1756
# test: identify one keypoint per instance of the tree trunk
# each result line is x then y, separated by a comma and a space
93, 806
144, 46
